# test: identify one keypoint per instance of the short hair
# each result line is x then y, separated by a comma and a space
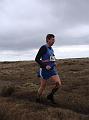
49, 36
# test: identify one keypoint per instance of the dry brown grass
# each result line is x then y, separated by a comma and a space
19, 85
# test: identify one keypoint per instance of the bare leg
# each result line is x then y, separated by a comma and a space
57, 82
41, 89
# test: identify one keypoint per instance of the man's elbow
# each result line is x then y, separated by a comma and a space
36, 59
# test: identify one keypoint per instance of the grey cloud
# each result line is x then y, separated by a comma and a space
71, 11
24, 24
72, 41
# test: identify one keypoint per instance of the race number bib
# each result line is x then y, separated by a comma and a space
52, 58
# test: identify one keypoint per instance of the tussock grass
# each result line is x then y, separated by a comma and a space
7, 91
19, 85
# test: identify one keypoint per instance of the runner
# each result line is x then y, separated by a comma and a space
46, 59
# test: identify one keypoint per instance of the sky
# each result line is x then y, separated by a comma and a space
25, 23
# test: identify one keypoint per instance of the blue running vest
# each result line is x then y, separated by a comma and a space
49, 58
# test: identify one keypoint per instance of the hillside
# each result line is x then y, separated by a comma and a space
19, 84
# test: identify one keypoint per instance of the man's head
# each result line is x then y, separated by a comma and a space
50, 39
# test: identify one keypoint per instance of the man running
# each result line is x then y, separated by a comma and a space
46, 59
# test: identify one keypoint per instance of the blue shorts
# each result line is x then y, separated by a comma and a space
46, 74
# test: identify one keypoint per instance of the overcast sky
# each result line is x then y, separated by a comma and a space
25, 23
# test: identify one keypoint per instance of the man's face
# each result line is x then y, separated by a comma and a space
51, 41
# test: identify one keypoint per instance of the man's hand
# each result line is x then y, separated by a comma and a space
48, 67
